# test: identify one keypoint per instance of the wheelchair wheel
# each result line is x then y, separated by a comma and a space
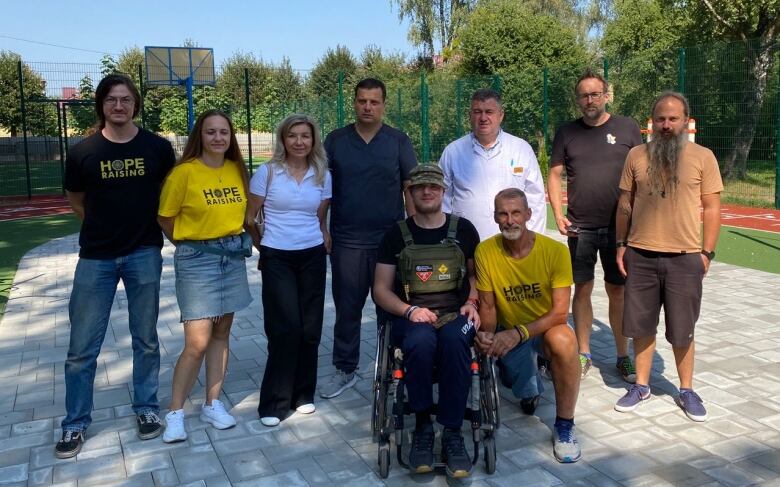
489, 443
384, 459
489, 393
379, 418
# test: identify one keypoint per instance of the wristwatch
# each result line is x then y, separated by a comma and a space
710, 254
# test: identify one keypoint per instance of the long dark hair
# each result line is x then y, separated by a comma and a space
101, 92
194, 147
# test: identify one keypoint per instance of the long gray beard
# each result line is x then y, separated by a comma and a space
663, 163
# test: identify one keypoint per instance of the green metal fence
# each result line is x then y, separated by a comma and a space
432, 108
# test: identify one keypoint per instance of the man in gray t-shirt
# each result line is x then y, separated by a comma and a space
593, 150
370, 164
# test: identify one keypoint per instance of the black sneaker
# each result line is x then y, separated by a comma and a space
149, 425
421, 454
70, 444
454, 454
528, 404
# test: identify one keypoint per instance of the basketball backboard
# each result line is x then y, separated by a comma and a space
174, 65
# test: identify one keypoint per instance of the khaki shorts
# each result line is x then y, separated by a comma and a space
657, 279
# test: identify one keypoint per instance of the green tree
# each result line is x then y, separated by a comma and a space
323, 79
286, 83
107, 65
128, 62
434, 21
82, 117
641, 44
756, 24
506, 38
231, 84
374, 63
10, 104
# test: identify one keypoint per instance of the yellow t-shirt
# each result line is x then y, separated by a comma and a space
205, 202
523, 287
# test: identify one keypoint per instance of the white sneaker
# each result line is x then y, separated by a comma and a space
270, 421
174, 427
217, 416
306, 408
339, 383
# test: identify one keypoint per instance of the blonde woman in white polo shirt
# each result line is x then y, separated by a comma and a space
294, 189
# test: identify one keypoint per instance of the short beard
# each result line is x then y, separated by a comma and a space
427, 211
595, 118
663, 160
512, 233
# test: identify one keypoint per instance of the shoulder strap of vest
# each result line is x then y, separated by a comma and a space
405, 233
452, 230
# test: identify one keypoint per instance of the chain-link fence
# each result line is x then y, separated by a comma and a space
735, 107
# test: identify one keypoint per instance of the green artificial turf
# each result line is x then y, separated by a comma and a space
749, 248
17, 237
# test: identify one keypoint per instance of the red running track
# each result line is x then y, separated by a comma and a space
735, 216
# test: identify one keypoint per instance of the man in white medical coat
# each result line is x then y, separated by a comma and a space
480, 164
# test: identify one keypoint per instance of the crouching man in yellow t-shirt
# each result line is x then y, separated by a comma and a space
524, 281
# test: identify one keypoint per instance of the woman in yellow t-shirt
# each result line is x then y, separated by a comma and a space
202, 208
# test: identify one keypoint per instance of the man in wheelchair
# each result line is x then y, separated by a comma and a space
524, 281
425, 278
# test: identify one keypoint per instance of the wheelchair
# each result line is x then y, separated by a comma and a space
389, 405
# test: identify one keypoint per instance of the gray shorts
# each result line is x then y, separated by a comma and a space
657, 279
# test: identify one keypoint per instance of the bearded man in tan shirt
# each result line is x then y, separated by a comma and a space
662, 249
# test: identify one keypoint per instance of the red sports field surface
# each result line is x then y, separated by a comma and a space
735, 216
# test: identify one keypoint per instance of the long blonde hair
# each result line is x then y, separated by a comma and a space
316, 159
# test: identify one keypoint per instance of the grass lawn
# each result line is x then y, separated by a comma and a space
45, 178
757, 189
19, 236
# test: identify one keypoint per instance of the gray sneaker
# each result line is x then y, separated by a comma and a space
340, 382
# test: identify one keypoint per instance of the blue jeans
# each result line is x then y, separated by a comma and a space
94, 287
518, 370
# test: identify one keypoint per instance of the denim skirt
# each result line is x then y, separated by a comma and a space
210, 285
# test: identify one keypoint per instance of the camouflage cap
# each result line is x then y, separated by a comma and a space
427, 174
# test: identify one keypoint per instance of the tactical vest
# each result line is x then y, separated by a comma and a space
434, 268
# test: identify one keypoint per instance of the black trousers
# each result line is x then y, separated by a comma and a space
293, 306
353, 277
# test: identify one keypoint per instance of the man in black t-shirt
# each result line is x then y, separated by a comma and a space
113, 181
370, 164
434, 329
593, 150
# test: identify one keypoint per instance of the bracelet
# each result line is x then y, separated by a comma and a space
621, 244
474, 302
409, 311
523, 332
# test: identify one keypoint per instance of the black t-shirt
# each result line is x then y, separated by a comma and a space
467, 239
121, 185
367, 184
594, 158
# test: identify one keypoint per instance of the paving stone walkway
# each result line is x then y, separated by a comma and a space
737, 374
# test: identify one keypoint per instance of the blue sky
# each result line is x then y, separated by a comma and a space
300, 29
